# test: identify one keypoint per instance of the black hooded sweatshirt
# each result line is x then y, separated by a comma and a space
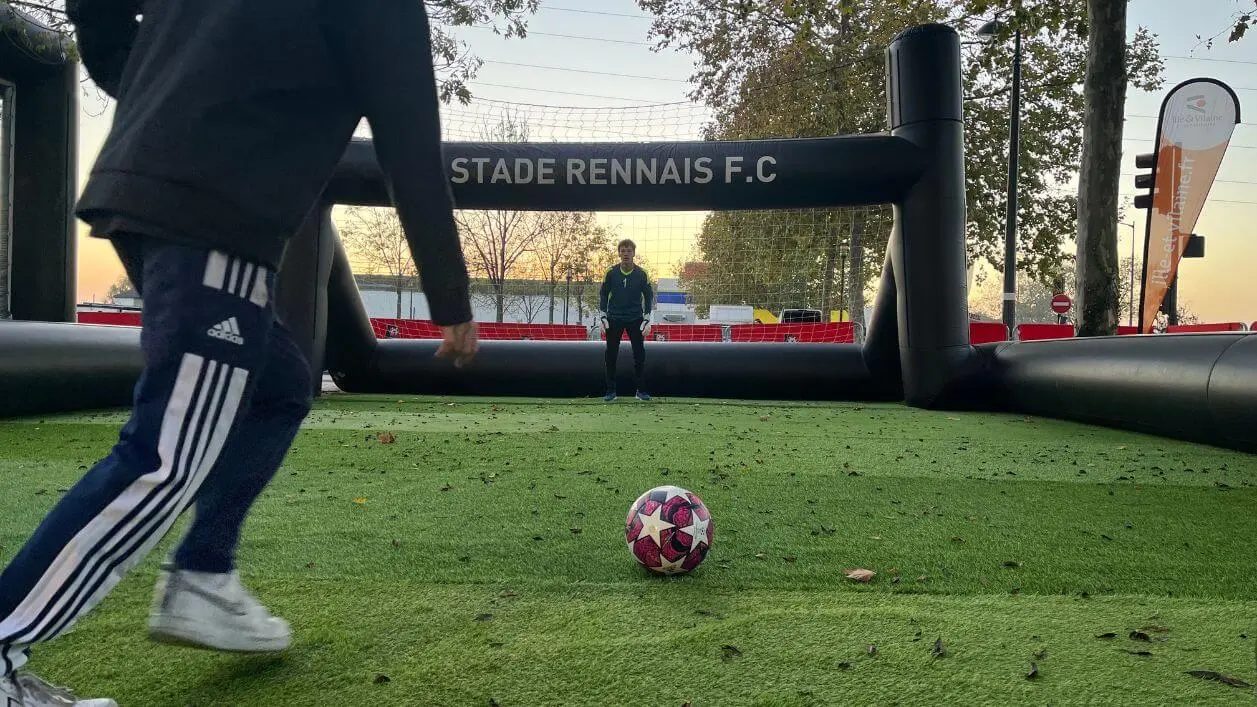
232, 115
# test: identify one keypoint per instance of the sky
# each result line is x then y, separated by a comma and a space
587, 70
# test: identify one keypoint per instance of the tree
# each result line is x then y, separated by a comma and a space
526, 301
1034, 298
812, 68
374, 237
1235, 32
495, 242
1185, 316
453, 59
777, 260
120, 287
1242, 23
1104, 99
1131, 269
569, 242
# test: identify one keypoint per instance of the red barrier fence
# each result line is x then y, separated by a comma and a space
488, 331
1039, 332
687, 332
822, 332
987, 332
1200, 328
110, 318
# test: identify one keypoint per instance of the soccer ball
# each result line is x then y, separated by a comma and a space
668, 530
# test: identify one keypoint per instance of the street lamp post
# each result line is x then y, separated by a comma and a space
988, 32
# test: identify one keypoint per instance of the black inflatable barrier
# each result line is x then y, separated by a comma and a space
575, 369
350, 339
881, 340
655, 176
49, 368
927, 246
42, 268
301, 300
1195, 387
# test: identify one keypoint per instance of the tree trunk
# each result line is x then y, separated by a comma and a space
399, 296
554, 287
1104, 95
857, 269
499, 298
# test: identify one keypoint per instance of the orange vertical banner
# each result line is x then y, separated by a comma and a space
1197, 120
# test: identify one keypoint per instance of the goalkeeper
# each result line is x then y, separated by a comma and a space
624, 306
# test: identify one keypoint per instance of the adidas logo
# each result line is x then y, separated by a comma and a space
227, 330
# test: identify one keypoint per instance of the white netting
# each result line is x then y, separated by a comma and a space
779, 276
482, 120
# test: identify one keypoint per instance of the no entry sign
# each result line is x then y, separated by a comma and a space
1061, 303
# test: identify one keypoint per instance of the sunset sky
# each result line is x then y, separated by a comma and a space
587, 71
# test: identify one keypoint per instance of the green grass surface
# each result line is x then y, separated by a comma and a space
481, 557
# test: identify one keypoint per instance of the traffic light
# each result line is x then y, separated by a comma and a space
1195, 247
1145, 181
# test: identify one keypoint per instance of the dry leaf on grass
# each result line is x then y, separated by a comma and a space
861, 575
386, 438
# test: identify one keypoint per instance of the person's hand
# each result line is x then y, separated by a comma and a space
646, 325
461, 342
603, 322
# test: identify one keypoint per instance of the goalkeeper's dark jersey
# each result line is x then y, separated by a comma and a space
626, 295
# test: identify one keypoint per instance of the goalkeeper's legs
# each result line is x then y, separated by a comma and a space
639, 358
615, 331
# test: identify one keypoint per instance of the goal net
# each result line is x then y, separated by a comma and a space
783, 276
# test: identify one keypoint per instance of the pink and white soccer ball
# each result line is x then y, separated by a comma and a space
668, 530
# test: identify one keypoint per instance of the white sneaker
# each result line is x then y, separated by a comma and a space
207, 610
26, 690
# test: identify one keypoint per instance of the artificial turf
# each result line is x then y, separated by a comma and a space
478, 558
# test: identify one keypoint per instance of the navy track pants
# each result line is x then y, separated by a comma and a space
222, 395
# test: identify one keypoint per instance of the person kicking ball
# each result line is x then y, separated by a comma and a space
231, 117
